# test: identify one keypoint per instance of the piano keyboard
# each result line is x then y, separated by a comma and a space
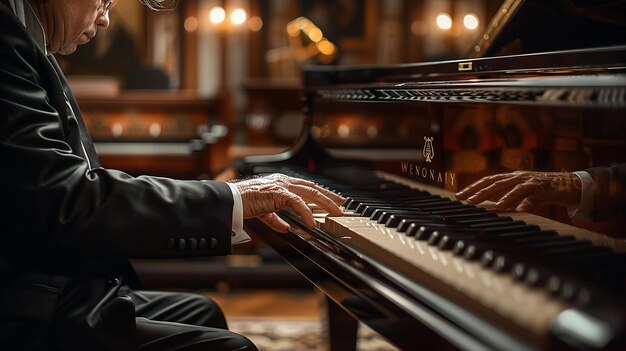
519, 271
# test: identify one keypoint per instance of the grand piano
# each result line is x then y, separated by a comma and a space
544, 88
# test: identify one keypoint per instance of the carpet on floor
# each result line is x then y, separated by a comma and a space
299, 335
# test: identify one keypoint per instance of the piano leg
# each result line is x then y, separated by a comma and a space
340, 327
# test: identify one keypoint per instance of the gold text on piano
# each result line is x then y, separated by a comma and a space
413, 169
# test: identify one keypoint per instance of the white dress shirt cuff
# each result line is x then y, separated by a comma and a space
580, 214
239, 235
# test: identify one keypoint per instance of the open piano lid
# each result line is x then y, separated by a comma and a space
524, 37
532, 26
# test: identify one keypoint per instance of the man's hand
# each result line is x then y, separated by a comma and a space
524, 190
263, 196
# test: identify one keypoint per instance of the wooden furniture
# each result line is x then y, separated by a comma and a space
273, 114
174, 134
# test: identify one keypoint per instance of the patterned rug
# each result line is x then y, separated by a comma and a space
299, 335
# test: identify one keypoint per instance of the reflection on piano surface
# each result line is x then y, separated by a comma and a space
424, 269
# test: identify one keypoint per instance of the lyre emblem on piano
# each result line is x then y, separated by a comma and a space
429, 151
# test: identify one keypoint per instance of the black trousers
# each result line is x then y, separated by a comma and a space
182, 321
165, 321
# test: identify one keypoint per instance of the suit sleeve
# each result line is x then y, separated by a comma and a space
608, 192
52, 201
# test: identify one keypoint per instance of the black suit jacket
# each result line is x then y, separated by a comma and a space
63, 217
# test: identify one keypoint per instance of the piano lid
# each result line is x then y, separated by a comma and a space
531, 26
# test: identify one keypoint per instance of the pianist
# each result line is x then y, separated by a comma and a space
593, 195
68, 226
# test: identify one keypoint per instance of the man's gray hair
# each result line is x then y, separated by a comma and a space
160, 5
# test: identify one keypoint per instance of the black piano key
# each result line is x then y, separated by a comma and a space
406, 194
545, 257
539, 237
576, 286
396, 218
566, 256
351, 203
514, 230
356, 196
382, 186
461, 217
615, 263
360, 206
586, 248
459, 247
508, 228
450, 240
554, 282
437, 236
480, 219
568, 288
404, 224
387, 215
439, 206
460, 210
508, 256
497, 224
369, 210
432, 200
423, 232
503, 229
475, 252
535, 275
474, 249
381, 215
336, 187
514, 241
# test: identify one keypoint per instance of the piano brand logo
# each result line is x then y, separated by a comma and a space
429, 151
446, 178
424, 171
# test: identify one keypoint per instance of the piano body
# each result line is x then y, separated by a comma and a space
424, 270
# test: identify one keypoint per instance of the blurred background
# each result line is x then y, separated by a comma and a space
182, 93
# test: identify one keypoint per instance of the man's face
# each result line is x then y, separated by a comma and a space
75, 23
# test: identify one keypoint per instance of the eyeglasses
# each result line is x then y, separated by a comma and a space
105, 6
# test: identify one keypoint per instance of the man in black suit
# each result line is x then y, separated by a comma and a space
593, 195
68, 225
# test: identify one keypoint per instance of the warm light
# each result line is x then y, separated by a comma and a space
191, 24
217, 15
470, 21
117, 130
154, 130
238, 16
315, 34
343, 131
293, 29
327, 51
302, 22
255, 23
444, 21
326, 47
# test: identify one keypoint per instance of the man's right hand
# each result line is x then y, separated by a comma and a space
261, 197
